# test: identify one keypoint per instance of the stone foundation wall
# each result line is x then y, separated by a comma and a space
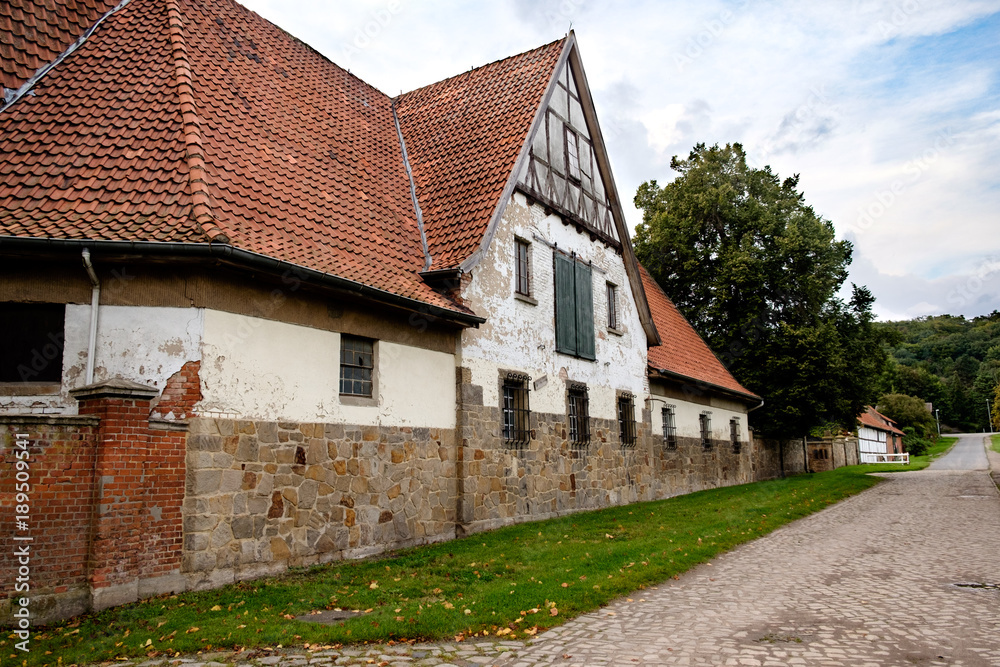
500, 484
263, 496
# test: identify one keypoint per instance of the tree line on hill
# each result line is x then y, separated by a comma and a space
949, 361
757, 273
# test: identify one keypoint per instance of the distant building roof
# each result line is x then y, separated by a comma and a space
872, 418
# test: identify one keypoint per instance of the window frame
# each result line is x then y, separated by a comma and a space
515, 410
705, 427
574, 172
611, 291
578, 415
626, 420
668, 414
522, 268
734, 434
47, 341
349, 398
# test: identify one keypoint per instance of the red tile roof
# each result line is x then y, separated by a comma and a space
875, 419
35, 33
198, 120
463, 136
683, 352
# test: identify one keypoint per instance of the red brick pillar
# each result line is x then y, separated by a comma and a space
122, 448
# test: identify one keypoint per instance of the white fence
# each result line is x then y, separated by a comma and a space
870, 457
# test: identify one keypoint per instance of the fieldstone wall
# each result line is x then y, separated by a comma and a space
500, 484
263, 496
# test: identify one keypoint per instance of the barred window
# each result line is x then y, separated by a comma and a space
626, 419
523, 277
734, 434
516, 413
669, 427
705, 421
357, 363
579, 415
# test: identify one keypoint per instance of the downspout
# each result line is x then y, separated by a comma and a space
805, 455
95, 298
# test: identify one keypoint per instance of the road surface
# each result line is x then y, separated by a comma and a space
969, 453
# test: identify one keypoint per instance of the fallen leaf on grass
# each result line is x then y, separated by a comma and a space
216, 608
191, 629
553, 612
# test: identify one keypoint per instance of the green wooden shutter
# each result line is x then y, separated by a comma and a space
566, 318
584, 311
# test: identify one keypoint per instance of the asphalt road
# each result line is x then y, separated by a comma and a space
969, 453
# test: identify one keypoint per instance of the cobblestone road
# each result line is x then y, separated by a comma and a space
907, 573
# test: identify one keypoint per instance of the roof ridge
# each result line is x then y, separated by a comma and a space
194, 153
492, 62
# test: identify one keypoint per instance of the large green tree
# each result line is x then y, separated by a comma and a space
756, 271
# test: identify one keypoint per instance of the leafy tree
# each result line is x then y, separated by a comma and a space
908, 412
756, 272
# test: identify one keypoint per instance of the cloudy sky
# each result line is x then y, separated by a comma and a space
889, 109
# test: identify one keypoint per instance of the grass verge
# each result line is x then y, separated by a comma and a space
995, 444
507, 583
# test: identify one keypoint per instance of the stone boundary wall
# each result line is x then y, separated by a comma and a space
264, 495
772, 458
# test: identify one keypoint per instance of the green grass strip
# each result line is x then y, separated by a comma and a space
508, 583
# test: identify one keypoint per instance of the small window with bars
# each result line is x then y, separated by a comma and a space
612, 293
579, 415
523, 249
734, 434
357, 365
515, 411
626, 419
669, 427
705, 422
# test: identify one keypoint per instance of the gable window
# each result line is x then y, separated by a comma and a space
669, 427
574, 294
572, 153
612, 294
357, 366
626, 419
579, 415
522, 249
705, 422
31, 342
516, 415
734, 434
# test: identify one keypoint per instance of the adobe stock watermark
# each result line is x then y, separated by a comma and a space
973, 286
815, 101
696, 45
366, 34
20, 606
914, 169
900, 13
563, 13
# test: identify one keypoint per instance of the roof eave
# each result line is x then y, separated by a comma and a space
248, 260
702, 384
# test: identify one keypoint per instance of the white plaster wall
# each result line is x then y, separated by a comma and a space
872, 440
686, 418
259, 369
139, 343
520, 336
